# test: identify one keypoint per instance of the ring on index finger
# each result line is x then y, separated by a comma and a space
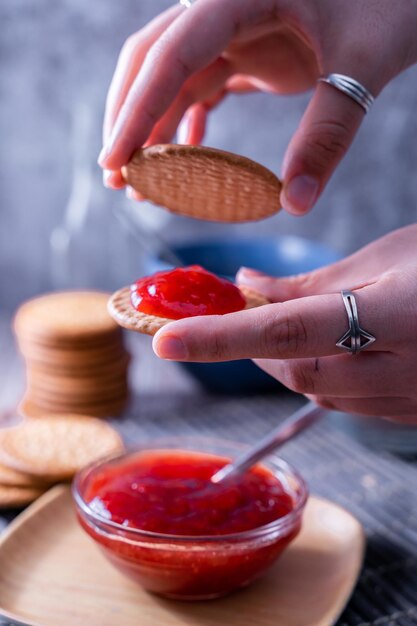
355, 338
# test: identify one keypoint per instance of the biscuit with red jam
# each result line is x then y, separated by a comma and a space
121, 309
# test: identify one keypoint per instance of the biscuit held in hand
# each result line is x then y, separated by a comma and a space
189, 291
121, 309
295, 338
204, 183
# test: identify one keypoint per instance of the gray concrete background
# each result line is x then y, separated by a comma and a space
56, 61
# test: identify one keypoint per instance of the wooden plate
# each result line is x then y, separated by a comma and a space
52, 574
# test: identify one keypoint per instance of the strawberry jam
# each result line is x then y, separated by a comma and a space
160, 519
172, 494
186, 292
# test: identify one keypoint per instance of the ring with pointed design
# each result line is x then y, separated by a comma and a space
355, 338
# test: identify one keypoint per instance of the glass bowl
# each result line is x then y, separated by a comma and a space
192, 567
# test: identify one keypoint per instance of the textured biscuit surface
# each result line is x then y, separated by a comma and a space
56, 447
204, 183
122, 310
62, 316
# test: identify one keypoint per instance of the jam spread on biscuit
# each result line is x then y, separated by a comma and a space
186, 292
170, 492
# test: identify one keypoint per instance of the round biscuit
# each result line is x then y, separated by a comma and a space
29, 407
12, 477
204, 183
80, 367
77, 401
13, 497
56, 447
65, 316
88, 406
122, 310
64, 386
84, 344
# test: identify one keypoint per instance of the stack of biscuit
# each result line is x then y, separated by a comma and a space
74, 354
36, 454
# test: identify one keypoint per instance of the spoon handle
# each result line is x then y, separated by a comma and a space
296, 423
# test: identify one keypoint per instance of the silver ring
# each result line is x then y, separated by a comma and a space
187, 3
355, 338
350, 87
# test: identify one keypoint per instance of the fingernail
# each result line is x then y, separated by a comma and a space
248, 272
105, 151
301, 193
106, 176
130, 193
171, 348
183, 130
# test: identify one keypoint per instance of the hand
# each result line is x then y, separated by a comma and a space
186, 61
294, 339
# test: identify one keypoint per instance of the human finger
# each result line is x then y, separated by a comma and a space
348, 273
132, 194
404, 408
363, 267
130, 60
241, 84
113, 180
197, 115
331, 279
207, 86
367, 375
306, 327
193, 126
324, 135
182, 50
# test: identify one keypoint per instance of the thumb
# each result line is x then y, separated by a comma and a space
275, 289
325, 133
344, 274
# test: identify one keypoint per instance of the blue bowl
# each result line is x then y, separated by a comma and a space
277, 256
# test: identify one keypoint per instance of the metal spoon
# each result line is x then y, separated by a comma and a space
301, 419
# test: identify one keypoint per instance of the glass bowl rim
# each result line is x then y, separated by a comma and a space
281, 524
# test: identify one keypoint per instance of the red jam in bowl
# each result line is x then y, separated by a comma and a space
159, 518
172, 494
186, 292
